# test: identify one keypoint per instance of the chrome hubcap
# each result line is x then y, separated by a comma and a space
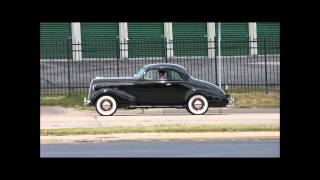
106, 105
197, 104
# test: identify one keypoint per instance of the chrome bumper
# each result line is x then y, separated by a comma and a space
86, 101
231, 100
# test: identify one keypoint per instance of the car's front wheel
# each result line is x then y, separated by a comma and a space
197, 104
106, 105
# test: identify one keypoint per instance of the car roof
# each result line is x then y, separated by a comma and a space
164, 66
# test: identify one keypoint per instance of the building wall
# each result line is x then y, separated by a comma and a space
154, 35
99, 39
190, 39
146, 39
268, 35
55, 35
234, 39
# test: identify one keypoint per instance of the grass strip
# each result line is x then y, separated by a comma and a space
256, 100
159, 129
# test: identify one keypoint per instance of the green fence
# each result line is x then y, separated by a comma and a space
155, 48
55, 49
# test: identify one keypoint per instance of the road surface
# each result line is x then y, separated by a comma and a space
243, 148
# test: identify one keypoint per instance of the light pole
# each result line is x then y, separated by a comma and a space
219, 53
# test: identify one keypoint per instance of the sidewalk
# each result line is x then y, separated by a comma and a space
59, 117
155, 111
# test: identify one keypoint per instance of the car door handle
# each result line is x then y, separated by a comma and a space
168, 84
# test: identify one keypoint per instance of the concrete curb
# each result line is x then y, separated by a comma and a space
263, 135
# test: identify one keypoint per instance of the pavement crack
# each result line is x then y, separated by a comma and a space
95, 117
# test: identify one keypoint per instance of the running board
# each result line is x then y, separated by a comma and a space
156, 107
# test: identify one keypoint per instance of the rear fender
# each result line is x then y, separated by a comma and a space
208, 95
192, 93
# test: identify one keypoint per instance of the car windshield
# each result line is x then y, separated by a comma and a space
140, 73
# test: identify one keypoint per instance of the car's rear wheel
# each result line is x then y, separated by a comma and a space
106, 105
197, 104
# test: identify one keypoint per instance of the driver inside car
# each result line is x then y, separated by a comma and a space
162, 75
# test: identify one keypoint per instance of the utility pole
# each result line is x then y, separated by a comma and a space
219, 53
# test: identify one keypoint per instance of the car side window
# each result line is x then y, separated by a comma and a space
175, 76
160, 74
152, 75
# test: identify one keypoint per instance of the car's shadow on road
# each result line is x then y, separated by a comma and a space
175, 114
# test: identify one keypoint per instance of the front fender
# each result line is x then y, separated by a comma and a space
120, 96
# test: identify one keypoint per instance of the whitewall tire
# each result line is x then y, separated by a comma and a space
197, 104
106, 106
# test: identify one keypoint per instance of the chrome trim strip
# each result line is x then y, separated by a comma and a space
89, 92
86, 102
231, 100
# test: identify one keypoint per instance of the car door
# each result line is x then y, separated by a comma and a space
148, 90
155, 91
175, 87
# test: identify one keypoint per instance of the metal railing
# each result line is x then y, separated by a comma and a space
67, 67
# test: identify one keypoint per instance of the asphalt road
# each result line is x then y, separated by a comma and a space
252, 148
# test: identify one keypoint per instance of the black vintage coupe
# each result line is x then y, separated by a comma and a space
155, 85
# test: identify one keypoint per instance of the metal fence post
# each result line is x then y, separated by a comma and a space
215, 58
265, 65
69, 45
219, 52
165, 43
119, 54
